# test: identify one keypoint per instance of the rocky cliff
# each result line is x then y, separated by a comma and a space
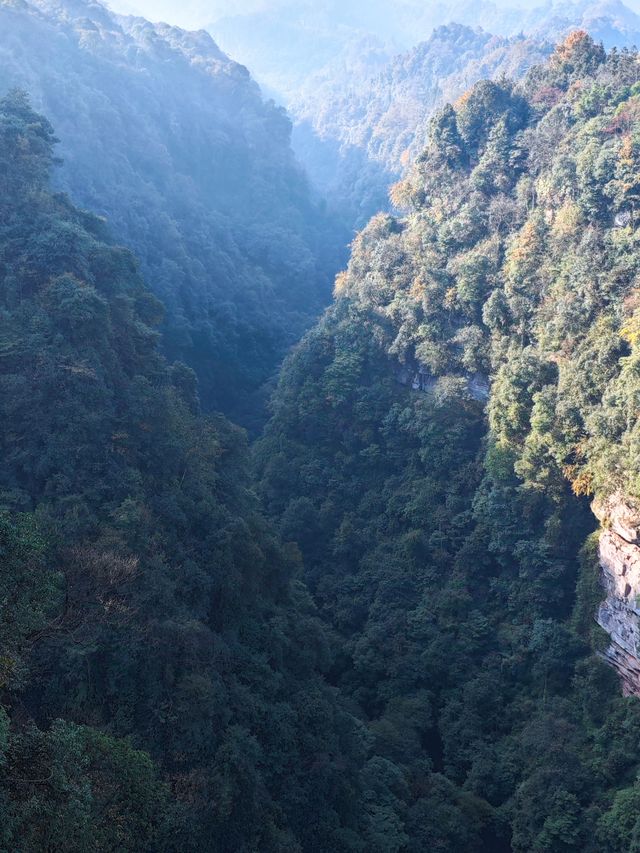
619, 613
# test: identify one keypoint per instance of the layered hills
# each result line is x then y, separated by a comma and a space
172, 141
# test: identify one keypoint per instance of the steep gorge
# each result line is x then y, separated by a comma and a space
403, 656
448, 538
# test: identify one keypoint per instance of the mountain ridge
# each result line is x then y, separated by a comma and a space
172, 141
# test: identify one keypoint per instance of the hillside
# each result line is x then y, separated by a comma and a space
361, 81
160, 675
358, 139
171, 140
437, 440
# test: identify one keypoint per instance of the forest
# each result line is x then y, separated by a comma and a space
356, 141
446, 535
170, 140
392, 608
361, 80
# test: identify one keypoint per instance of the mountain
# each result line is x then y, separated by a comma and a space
373, 631
361, 80
361, 83
437, 441
286, 44
318, 33
358, 139
609, 21
171, 140
160, 676
284, 41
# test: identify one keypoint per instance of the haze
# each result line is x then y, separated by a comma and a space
196, 13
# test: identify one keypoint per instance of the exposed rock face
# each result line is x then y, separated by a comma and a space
619, 614
621, 515
419, 378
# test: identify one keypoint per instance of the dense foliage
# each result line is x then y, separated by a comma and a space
433, 444
159, 662
171, 140
360, 123
403, 656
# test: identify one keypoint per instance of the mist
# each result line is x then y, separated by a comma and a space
287, 44
196, 14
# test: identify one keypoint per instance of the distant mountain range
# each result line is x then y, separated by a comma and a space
361, 80
360, 123
284, 42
